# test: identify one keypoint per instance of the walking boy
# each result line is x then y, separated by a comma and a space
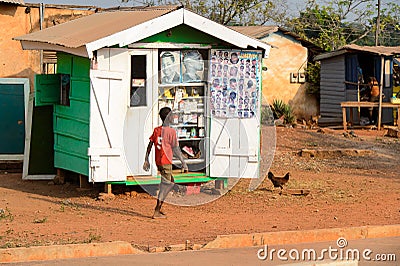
166, 144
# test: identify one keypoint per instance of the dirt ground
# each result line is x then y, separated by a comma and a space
354, 188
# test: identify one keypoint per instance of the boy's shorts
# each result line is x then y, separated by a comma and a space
166, 173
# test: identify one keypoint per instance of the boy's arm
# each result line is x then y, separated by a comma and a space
178, 153
146, 165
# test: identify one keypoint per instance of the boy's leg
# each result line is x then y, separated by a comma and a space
166, 186
166, 183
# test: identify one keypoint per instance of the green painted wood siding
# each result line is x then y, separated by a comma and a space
71, 123
12, 118
184, 34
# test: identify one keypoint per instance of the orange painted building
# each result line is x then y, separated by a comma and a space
16, 19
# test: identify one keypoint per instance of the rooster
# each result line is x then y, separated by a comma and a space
278, 181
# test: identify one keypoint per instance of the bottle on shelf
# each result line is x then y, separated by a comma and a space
185, 118
187, 107
180, 118
181, 105
200, 106
200, 120
193, 132
175, 118
201, 132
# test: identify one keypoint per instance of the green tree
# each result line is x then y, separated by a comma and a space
313, 71
329, 25
389, 28
234, 12
333, 25
342, 22
389, 25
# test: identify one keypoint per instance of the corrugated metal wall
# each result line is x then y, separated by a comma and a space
71, 123
332, 90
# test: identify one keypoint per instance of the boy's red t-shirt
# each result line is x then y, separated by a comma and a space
164, 139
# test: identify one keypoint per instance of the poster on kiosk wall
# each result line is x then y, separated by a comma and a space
235, 82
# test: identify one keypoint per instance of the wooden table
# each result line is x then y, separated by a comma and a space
350, 105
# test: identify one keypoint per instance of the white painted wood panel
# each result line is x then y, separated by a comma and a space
139, 121
108, 108
220, 148
219, 166
220, 137
138, 32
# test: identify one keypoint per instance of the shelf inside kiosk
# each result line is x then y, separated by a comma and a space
187, 102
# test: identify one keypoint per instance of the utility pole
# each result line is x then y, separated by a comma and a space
378, 18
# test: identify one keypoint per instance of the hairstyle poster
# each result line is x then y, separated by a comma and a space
235, 82
192, 66
170, 62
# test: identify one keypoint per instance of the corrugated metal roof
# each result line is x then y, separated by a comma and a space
85, 35
257, 32
378, 50
78, 32
383, 50
17, 2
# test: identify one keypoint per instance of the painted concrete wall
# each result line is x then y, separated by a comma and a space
14, 62
287, 55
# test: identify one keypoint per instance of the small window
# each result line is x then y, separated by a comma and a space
65, 89
138, 81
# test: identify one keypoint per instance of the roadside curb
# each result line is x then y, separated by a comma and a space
297, 237
67, 251
221, 242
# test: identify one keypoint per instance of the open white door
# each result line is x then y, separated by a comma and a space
235, 114
139, 117
121, 119
108, 105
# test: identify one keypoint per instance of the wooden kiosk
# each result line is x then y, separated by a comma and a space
114, 74
379, 105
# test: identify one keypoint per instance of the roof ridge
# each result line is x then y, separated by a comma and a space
141, 8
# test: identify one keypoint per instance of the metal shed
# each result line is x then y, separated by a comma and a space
340, 71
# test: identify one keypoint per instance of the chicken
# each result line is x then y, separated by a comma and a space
278, 181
